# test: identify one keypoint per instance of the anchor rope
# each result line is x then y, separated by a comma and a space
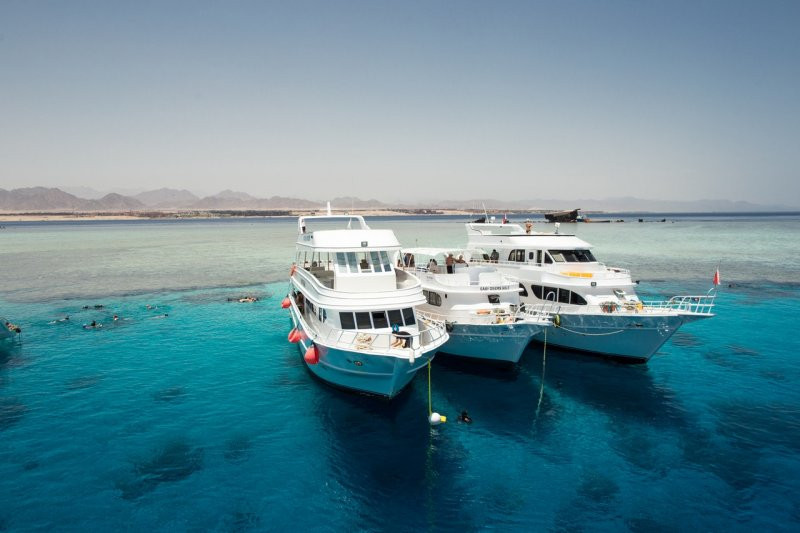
541, 388
430, 402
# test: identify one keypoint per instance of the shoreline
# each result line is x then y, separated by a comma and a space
214, 214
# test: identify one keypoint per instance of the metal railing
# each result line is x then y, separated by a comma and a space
402, 344
694, 304
489, 316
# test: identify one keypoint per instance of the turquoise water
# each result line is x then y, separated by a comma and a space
206, 419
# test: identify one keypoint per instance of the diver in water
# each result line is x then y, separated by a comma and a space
464, 417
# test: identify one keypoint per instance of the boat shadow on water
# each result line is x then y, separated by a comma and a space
379, 450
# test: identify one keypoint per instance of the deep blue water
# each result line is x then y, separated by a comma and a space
206, 419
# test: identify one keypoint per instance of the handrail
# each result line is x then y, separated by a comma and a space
405, 345
694, 304
487, 317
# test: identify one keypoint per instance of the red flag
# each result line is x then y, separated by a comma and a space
716, 277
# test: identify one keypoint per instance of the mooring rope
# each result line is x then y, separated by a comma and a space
541, 388
589, 334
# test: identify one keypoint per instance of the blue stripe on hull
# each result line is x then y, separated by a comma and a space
495, 342
625, 337
373, 374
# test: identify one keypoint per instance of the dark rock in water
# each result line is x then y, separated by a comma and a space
30, 465
11, 412
743, 350
243, 521
598, 487
83, 382
685, 339
174, 462
172, 394
237, 448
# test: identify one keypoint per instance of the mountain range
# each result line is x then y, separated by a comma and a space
43, 199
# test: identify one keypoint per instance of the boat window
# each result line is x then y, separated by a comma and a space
346, 319
493, 298
558, 256
537, 291
408, 316
352, 264
517, 255
395, 317
549, 293
387, 265
531, 255
547, 259
433, 298
585, 256
376, 261
563, 296
522, 291
576, 299
379, 319
363, 321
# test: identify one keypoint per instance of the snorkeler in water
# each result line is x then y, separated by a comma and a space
464, 417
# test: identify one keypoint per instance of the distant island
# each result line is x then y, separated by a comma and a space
31, 203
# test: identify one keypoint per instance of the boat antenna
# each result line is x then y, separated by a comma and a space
484, 211
329, 208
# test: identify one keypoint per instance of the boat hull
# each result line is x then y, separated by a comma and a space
494, 342
621, 336
361, 372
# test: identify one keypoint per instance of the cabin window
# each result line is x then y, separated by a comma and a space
558, 256
376, 261
395, 317
576, 299
363, 321
537, 291
549, 293
433, 298
346, 319
408, 316
493, 298
547, 259
531, 256
352, 263
522, 291
387, 265
563, 296
517, 255
341, 262
585, 256
379, 319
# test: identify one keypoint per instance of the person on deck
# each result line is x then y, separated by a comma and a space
450, 263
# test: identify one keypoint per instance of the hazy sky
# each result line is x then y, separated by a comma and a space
405, 100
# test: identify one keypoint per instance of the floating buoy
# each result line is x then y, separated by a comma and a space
435, 419
294, 336
286, 303
312, 355
557, 321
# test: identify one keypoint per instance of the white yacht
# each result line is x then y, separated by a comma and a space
479, 306
353, 312
596, 306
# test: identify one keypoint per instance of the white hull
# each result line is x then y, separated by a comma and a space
495, 342
634, 338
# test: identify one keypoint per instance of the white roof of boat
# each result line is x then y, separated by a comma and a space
433, 251
349, 239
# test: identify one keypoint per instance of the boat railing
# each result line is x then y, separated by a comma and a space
691, 304
606, 272
454, 280
547, 309
402, 344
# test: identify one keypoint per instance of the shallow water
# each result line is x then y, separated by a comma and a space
206, 418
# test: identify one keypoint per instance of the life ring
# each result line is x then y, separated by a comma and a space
292, 270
